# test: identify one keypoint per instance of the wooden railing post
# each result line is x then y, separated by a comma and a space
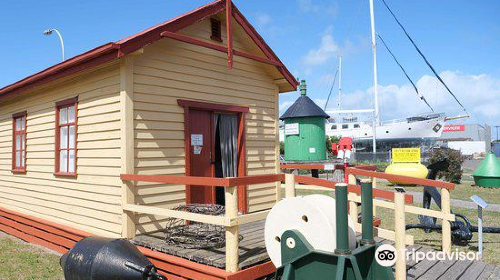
400, 232
232, 233
353, 206
289, 185
445, 209
374, 186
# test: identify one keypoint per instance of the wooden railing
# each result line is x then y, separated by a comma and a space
400, 209
231, 220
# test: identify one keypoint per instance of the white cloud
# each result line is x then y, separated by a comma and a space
320, 102
262, 19
327, 49
308, 6
285, 104
480, 94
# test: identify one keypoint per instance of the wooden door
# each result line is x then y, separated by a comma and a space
200, 153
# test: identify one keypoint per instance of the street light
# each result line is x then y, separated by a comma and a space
49, 31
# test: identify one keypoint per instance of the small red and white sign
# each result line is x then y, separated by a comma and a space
454, 128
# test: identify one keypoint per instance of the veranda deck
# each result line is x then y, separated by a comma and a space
252, 248
253, 251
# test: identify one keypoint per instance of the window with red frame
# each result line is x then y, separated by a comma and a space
66, 124
19, 142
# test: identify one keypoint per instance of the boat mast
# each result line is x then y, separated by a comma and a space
375, 82
340, 84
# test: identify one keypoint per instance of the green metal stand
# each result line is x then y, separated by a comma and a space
302, 262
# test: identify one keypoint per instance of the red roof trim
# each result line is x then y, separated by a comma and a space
114, 50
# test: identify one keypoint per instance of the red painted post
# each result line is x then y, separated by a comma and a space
229, 18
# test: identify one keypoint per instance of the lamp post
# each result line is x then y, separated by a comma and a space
49, 31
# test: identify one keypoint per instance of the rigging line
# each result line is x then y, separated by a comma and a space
331, 88
423, 56
404, 71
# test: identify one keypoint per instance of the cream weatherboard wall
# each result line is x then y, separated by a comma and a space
129, 122
169, 70
90, 202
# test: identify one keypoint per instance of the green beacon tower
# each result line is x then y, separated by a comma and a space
304, 130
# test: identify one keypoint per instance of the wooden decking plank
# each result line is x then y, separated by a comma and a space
252, 251
420, 268
495, 274
487, 273
456, 270
437, 270
413, 262
473, 271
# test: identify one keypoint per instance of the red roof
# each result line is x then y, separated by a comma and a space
114, 50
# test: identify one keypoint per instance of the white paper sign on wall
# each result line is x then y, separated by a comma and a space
291, 129
197, 150
312, 150
196, 139
329, 166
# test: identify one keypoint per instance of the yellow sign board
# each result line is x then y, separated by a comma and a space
405, 155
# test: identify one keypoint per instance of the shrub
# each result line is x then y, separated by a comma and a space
455, 160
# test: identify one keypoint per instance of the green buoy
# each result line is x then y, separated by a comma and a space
488, 172
304, 129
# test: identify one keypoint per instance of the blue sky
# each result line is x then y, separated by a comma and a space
460, 38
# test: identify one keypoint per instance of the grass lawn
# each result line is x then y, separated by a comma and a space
21, 260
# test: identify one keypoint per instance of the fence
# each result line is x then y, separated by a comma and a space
400, 209
231, 220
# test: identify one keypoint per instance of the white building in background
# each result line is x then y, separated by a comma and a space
468, 138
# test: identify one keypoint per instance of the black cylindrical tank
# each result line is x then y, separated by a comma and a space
98, 258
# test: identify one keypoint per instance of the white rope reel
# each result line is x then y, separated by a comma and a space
313, 216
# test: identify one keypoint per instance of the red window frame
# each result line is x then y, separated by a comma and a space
60, 105
22, 149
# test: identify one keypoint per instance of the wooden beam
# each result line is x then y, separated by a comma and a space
174, 179
289, 185
127, 142
212, 106
377, 193
190, 40
232, 232
250, 218
229, 30
164, 212
400, 178
446, 227
400, 234
257, 58
256, 179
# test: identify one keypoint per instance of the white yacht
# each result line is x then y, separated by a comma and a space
425, 126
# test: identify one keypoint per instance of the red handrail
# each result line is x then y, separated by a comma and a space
204, 181
351, 188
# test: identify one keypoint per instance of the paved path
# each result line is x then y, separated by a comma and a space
417, 197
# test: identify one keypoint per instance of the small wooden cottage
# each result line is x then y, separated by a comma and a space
196, 95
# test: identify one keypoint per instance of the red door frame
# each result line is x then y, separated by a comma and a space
222, 108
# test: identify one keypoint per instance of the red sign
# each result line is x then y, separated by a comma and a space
454, 127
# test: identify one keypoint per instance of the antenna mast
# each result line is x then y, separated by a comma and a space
375, 82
